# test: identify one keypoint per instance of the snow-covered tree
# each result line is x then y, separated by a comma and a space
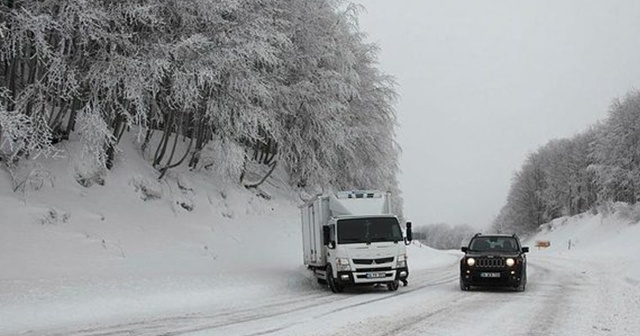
616, 152
291, 81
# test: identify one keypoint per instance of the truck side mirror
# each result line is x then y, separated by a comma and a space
409, 233
326, 235
525, 249
464, 249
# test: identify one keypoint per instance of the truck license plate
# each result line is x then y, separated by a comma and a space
376, 275
489, 275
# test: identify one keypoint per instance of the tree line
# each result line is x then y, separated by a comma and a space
292, 83
586, 172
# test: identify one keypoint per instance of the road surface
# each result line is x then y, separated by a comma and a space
566, 295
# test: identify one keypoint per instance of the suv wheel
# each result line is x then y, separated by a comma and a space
464, 287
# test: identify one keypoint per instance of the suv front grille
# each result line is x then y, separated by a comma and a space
490, 262
372, 261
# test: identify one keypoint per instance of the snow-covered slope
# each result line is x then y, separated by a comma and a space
611, 236
137, 256
70, 253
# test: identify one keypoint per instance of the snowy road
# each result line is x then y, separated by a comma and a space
566, 295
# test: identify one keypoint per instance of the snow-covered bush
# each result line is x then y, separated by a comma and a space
53, 216
94, 134
29, 175
24, 136
149, 189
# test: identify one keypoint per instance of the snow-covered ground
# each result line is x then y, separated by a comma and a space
102, 260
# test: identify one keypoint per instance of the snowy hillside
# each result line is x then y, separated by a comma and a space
71, 253
613, 238
130, 258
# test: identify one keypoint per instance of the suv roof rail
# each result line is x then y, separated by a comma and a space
477, 234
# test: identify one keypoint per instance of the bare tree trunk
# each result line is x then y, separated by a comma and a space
186, 153
117, 123
11, 84
200, 141
71, 123
162, 146
255, 185
147, 138
169, 165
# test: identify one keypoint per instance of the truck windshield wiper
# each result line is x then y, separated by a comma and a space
353, 240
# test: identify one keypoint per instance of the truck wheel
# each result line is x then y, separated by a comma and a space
333, 285
392, 286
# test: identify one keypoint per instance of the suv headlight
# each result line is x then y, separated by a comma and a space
342, 264
510, 262
402, 261
471, 261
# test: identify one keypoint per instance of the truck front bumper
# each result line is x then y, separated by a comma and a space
372, 277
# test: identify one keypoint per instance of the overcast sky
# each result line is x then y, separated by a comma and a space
483, 83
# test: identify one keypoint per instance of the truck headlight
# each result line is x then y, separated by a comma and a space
510, 262
343, 264
402, 261
471, 261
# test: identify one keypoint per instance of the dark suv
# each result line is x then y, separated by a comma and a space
494, 260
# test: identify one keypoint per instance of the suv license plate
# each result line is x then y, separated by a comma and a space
376, 275
489, 275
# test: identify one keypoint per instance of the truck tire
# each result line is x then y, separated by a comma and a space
392, 286
331, 281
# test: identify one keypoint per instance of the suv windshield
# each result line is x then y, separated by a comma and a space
497, 244
368, 230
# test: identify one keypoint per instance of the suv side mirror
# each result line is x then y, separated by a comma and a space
409, 232
525, 249
326, 235
464, 249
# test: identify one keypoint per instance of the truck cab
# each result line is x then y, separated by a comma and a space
361, 241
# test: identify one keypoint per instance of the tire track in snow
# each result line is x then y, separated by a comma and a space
183, 324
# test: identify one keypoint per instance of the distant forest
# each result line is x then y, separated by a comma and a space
291, 83
588, 172
591, 171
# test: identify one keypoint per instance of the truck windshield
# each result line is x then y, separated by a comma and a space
368, 230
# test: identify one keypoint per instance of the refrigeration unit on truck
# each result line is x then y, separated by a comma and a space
353, 238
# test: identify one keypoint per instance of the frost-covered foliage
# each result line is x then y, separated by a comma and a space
225, 158
95, 134
590, 171
21, 135
291, 81
29, 175
616, 152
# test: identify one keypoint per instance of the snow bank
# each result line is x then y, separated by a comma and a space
612, 235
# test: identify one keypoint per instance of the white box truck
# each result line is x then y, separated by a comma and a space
353, 238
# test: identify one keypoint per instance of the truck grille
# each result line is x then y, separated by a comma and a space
490, 262
379, 269
372, 261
